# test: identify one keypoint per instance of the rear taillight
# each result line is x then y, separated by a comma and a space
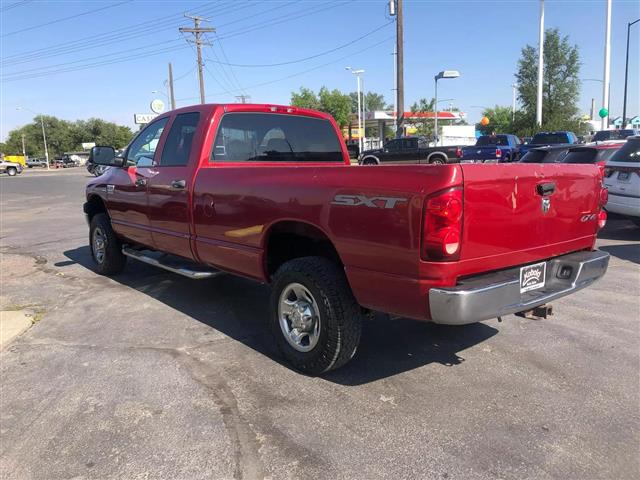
604, 197
442, 227
458, 152
498, 153
602, 219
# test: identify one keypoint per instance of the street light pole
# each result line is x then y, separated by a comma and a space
626, 76
357, 73
607, 68
442, 74
540, 65
513, 103
44, 135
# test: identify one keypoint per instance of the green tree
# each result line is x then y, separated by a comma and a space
499, 120
333, 102
337, 104
372, 101
561, 84
64, 136
305, 98
424, 127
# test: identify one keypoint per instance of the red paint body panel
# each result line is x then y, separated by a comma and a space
226, 212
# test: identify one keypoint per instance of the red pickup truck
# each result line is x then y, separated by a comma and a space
267, 192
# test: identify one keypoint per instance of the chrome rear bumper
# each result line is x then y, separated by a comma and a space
497, 294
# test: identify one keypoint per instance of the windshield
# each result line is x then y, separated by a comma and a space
492, 140
629, 152
550, 138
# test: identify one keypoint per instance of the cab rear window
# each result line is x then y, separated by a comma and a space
272, 137
629, 152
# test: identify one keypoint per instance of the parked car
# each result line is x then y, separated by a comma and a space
619, 134
526, 140
411, 150
494, 148
36, 162
10, 168
553, 154
65, 162
622, 179
543, 139
268, 192
353, 148
596, 153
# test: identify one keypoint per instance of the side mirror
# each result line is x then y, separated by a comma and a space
105, 156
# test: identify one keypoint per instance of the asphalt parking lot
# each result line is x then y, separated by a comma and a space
150, 375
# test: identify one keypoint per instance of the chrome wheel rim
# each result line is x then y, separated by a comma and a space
299, 317
99, 244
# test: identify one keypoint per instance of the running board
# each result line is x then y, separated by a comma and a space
175, 266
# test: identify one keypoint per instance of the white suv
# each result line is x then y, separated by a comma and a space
622, 178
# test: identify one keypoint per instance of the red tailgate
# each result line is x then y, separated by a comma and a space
516, 213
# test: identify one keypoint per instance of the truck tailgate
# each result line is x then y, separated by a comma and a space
517, 213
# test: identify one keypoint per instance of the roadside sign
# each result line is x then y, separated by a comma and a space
88, 145
142, 118
157, 106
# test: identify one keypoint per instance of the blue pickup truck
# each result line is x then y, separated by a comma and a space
545, 139
495, 148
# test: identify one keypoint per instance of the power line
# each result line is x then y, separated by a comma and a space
297, 74
223, 67
198, 31
326, 52
88, 12
113, 36
13, 5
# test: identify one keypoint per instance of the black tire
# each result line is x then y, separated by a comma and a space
109, 260
369, 161
437, 160
339, 314
12, 171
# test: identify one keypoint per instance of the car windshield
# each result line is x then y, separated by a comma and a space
629, 152
492, 140
550, 138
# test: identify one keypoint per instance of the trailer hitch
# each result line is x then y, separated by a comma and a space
537, 313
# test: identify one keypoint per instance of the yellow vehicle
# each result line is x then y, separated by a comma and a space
21, 159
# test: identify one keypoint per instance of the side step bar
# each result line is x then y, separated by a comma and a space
176, 268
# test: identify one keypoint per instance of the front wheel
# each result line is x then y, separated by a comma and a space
106, 250
12, 172
315, 320
437, 161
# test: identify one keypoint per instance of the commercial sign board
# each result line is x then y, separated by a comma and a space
142, 118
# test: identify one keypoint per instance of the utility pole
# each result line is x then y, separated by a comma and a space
24, 150
626, 76
243, 98
513, 103
607, 68
399, 69
540, 65
171, 95
197, 33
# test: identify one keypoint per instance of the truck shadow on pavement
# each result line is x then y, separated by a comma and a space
239, 309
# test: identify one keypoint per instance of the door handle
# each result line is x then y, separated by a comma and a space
141, 182
545, 189
179, 184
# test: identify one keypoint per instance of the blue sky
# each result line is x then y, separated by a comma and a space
81, 59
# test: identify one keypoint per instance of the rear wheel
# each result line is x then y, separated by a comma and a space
369, 161
437, 160
12, 171
315, 320
106, 249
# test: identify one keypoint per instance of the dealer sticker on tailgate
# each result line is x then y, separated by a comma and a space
532, 276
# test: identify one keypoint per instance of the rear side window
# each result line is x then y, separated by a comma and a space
583, 155
272, 137
489, 140
549, 138
534, 156
629, 152
177, 147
